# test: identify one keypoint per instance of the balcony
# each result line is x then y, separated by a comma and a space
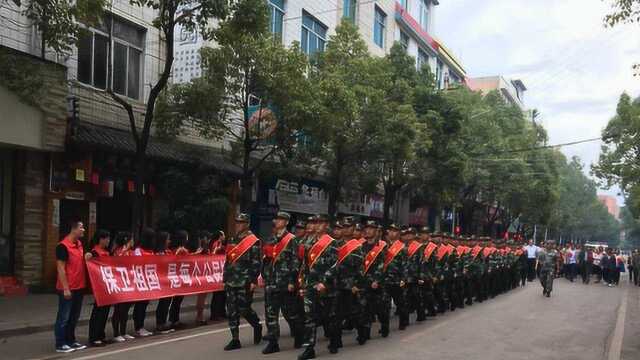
415, 29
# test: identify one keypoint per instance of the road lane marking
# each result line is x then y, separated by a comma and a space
615, 349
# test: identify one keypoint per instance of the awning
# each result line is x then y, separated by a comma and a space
116, 140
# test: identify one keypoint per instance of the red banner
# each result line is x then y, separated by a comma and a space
135, 278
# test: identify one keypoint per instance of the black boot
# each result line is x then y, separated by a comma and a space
308, 353
257, 334
298, 338
362, 336
272, 347
333, 345
384, 331
421, 316
233, 345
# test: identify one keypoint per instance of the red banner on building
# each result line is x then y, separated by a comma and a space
135, 278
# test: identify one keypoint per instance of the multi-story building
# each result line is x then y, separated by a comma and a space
611, 203
57, 166
511, 90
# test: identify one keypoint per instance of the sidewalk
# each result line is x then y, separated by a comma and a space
36, 313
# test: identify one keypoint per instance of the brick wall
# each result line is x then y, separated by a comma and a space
29, 216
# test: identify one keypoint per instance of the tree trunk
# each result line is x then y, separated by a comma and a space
389, 197
137, 213
334, 192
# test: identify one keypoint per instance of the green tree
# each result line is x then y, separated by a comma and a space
170, 14
253, 95
624, 11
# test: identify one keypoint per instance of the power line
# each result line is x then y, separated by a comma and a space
541, 147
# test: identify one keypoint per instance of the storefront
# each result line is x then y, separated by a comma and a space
7, 208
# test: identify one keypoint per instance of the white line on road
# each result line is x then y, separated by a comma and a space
142, 346
615, 349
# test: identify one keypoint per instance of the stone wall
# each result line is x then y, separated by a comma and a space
29, 216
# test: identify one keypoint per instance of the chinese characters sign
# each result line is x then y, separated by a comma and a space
135, 278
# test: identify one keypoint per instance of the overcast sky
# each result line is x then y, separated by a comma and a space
574, 68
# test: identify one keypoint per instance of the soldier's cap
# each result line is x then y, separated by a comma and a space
322, 218
394, 227
337, 225
359, 227
301, 224
348, 221
371, 223
242, 217
283, 215
311, 219
408, 230
424, 230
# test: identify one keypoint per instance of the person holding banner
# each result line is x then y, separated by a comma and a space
70, 285
163, 239
99, 314
146, 247
240, 275
218, 299
280, 267
122, 247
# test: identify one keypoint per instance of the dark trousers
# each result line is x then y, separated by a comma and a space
218, 301
531, 269
439, 292
571, 272
414, 303
631, 274
377, 307
285, 302
319, 310
398, 295
97, 322
348, 308
174, 309
139, 314
67, 318
428, 298
605, 275
239, 300
586, 272
119, 318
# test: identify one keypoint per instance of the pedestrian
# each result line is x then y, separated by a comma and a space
280, 273
241, 270
571, 261
587, 266
619, 266
630, 267
99, 314
163, 239
531, 251
548, 260
177, 247
635, 261
218, 298
123, 246
70, 286
145, 248
526, 268
605, 266
200, 246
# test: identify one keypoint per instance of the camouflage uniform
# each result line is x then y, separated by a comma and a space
440, 286
319, 307
278, 275
414, 299
395, 273
548, 259
375, 300
238, 277
427, 275
348, 276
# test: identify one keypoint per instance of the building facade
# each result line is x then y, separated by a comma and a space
511, 90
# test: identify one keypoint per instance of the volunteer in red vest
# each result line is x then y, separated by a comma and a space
241, 270
396, 273
146, 248
99, 314
218, 299
70, 284
280, 266
348, 281
123, 246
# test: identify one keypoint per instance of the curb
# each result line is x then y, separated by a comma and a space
34, 329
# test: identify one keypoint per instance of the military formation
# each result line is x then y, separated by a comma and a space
343, 277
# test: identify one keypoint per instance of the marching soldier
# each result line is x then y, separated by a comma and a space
280, 269
439, 285
395, 267
348, 282
547, 260
375, 298
240, 277
318, 277
414, 258
427, 277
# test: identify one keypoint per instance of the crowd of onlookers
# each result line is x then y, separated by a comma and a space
72, 284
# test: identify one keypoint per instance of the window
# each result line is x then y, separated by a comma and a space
424, 14
423, 59
277, 16
404, 40
405, 4
349, 9
127, 47
314, 34
379, 25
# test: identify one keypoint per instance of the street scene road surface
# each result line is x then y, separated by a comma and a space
581, 322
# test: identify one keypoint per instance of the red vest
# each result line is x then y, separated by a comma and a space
100, 251
74, 266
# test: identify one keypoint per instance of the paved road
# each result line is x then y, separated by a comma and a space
578, 322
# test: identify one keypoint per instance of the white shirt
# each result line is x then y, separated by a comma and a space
531, 251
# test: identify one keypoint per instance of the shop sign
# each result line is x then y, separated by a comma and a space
303, 197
